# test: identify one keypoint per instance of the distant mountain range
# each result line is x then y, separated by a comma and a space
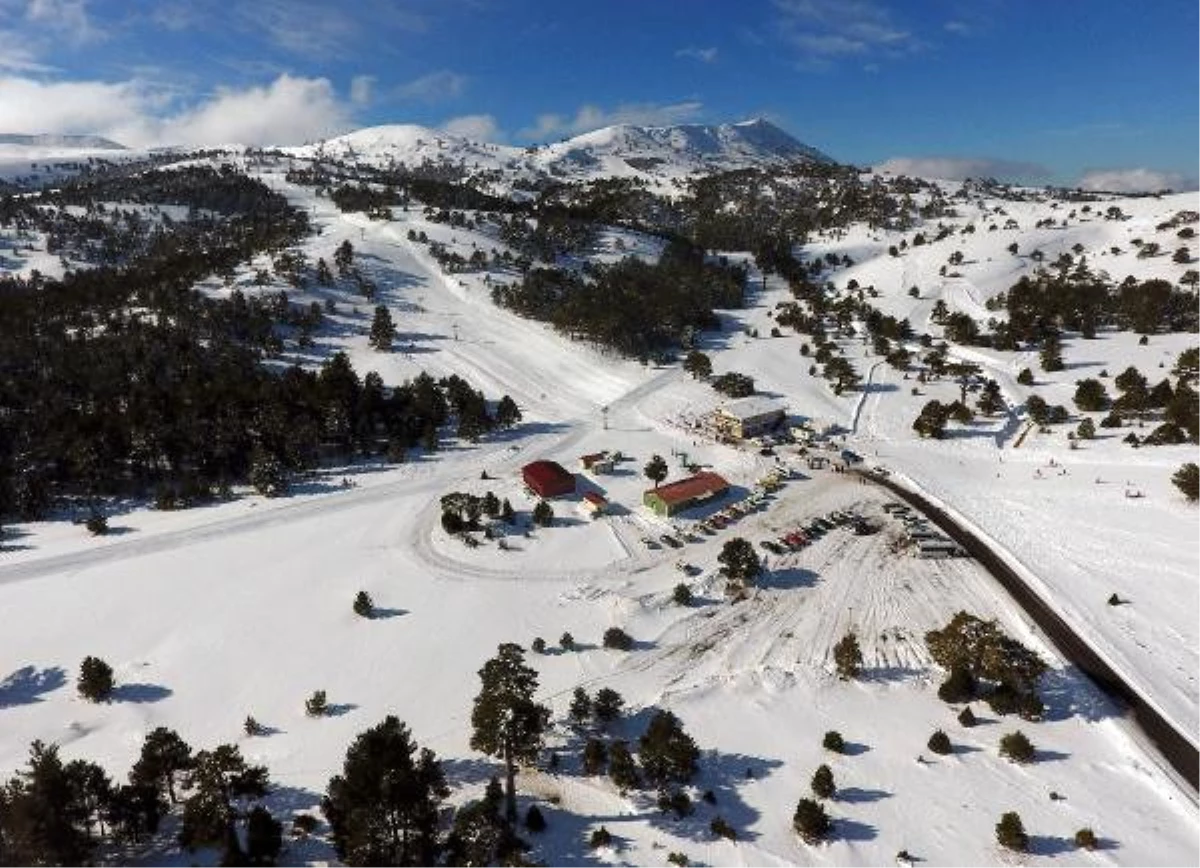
625, 149
52, 141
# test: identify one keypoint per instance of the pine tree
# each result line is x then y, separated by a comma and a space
615, 637
621, 767
164, 756
95, 680
1187, 480
220, 779
656, 469
364, 606
939, 743
383, 330
1051, 353
316, 705
534, 820
810, 821
698, 365
1085, 839
383, 808
1010, 832
967, 717
822, 782
595, 757
607, 706
507, 412
1025, 377
343, 257
47, 812
848, 657
1017, 747
507, 515
833, 741
739, 562
264, 836
581, 706
324, 275
267, 474
543, 514
667, 753
505, 720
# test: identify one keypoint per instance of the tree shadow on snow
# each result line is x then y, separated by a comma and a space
788, 578
26, 685
467, 771
140, 693
853, 748
889, 674
338, 709
1050, 845
1067, 692
857, 795
853, 830
285, 803
381, 613
722, 774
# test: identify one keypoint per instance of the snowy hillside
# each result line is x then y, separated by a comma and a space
242, 606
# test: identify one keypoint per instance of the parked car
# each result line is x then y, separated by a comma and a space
671, 541
650, 543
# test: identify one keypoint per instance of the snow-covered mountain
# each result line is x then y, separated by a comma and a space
60, 142
624, 149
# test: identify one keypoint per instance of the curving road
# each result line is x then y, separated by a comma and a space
1176, 747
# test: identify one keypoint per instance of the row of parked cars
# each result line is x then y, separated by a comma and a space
805, 535
927, 542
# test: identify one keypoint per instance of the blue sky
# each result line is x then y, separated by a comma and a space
1045, 91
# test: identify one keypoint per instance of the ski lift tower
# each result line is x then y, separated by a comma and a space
604, 416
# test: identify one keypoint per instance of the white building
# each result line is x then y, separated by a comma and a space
749, 417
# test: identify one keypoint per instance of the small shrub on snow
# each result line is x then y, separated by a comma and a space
1016, 747
939, 743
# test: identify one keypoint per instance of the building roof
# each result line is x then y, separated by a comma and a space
701, 485
548, 474
589, 460
593, 497
751, 407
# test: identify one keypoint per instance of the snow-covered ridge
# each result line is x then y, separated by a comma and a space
617, 150
60, 142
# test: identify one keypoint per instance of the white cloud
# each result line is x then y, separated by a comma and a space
434, 87
18, 54
704, 55
962, 28
30, 106
68, 17
311, 29
287, 111
360, 89
961, 168
478, 128
826, 30
591, 117
1135, 181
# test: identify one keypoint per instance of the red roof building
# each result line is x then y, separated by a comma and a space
548, 479
675, 496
